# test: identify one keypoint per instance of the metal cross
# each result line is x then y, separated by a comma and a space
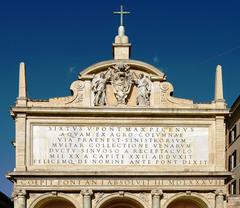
121, 13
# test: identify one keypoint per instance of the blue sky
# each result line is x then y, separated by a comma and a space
58, 39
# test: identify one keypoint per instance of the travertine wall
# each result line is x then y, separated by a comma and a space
129, 128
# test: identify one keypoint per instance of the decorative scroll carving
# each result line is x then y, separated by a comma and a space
77, 89
166, 95
121, 79
166, 89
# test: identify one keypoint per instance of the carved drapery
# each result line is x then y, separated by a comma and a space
121, 79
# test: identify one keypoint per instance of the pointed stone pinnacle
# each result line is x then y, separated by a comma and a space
219, 85
22, 93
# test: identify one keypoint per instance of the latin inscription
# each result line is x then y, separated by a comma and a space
121, 182
112, 145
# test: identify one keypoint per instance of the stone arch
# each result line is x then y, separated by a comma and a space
139, 65
195, 198
49, 198
117, 200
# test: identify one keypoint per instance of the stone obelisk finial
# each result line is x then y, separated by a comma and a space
219, 85
22, 93
121, 45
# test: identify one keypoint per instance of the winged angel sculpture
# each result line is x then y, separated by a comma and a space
121, 79
99, 84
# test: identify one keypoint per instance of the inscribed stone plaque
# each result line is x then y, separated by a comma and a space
115, 145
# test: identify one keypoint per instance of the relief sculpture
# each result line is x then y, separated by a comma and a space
121, 81
143, 84
121, 78
99, 89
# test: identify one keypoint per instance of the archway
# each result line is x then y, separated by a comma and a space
121, 202
183, 204
187, 200
186, 203
54, 202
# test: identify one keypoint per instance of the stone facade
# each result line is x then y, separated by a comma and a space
233, 201
233, 150
120, 140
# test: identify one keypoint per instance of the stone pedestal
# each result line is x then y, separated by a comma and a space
87, 198
156, 198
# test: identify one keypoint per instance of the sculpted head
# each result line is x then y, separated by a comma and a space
141, 76
121, 66
102, 75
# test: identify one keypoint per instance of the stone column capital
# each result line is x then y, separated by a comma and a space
20, 198
220, 193
157, 193
20, 194
14, 195
86, 192
219, 200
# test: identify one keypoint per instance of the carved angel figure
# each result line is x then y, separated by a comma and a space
99, 89
143, 84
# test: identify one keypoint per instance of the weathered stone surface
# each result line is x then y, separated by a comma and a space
121, 139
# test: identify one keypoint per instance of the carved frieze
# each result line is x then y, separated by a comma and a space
130, 84
122, 79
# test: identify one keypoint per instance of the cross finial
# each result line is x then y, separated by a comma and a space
121, 13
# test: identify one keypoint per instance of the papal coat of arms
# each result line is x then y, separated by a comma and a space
121, 78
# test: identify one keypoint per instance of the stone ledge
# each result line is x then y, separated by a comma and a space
99, 111
123, 173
